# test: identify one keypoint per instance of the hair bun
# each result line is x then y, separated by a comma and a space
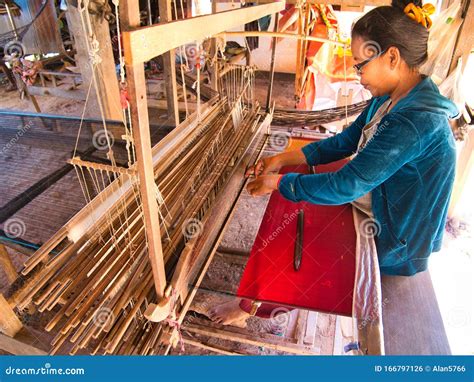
401, 4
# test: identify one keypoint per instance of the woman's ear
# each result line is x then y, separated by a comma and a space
394, 57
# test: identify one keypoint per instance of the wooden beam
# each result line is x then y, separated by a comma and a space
130, 18
16, 347
332, 2
169, 66
215, 349
142, 44
270, 341
280, 35
76, 94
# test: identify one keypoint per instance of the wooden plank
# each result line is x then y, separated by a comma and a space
169, 68
76, 94
130, 17
215, 349
142, 44
9, 322
16, 347
243, 336
412, 322
278, 34
301, 326
332, 2
337, 347
311, 326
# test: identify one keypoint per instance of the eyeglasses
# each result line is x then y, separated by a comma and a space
358, 67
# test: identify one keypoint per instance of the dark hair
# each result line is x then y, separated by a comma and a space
388, 26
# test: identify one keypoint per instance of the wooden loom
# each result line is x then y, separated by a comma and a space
131, 261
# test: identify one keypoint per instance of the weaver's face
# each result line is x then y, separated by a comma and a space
372, 65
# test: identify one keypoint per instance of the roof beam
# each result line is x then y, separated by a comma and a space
142, 44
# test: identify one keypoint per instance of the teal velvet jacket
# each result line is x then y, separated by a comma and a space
409, 167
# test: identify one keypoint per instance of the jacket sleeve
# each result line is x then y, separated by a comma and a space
340, 145
395, 143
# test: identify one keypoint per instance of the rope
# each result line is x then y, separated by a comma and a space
173, 322
93, 48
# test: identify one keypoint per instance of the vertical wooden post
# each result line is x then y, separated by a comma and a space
214, 68
272, 65
169, 67
130, 18
107, 78
299, 46
7, 264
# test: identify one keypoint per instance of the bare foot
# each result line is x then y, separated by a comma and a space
229, 313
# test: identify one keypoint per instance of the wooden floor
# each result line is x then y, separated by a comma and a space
411, 317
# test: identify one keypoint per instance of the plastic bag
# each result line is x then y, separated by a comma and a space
452, 87
441, 42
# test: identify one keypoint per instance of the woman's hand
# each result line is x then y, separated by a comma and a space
264, 166
263, 184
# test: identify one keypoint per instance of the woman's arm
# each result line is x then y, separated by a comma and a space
328, 150
341, 145
271, 164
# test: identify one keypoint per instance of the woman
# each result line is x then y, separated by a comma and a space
403, 167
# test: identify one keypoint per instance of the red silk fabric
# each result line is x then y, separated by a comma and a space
325, 280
